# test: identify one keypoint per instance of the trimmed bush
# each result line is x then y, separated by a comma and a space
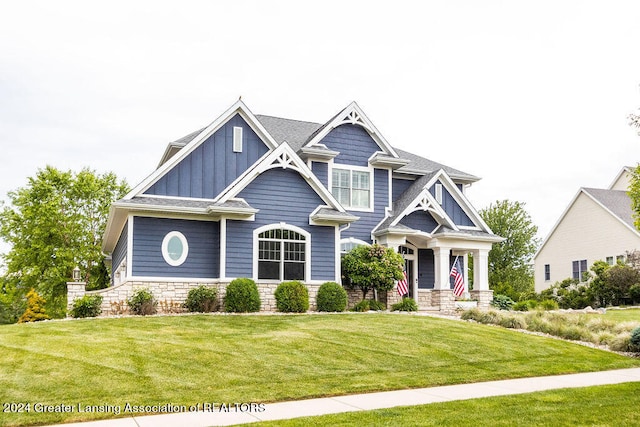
292, 297
548, 304
202, 299
502, 302
142, 303
87, 306
331, 297
407, 304
362, 306
242, 296
376, 305
634, 342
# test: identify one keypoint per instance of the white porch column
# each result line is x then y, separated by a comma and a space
480, 270
441, 267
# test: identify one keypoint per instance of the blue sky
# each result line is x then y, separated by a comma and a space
532, 96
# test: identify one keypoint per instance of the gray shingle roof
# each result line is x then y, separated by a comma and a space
296, 133
618, 202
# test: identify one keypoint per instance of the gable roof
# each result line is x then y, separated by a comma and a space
298, 134
615, 202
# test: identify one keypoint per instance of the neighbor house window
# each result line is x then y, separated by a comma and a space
610, 260
282, 254
175, 248
352, 188
547, 272
579, 269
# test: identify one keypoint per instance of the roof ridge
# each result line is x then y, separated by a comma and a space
285, 118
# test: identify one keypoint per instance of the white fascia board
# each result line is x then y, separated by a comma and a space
367, 124
626, 169
463, 202
238, 107
272, 161
434, 205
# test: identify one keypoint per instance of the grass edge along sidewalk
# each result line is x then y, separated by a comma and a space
188, 359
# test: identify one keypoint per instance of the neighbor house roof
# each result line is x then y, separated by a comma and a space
615, 201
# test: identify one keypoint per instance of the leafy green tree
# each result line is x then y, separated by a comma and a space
510, 261
372, 267
53, 224
634, 195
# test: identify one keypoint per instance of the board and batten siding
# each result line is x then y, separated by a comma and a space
452, 208
281, 195
213, 165
120, 250
203, 238
586, 231
420, 220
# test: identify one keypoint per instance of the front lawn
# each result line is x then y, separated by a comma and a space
186, 360
609, 405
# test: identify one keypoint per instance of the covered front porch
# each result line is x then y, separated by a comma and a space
429, 259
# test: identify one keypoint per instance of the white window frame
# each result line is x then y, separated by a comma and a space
165, 249
237, 139
438, 192
352, 241
283, 226
351, 169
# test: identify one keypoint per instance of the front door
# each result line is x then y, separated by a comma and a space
408, 267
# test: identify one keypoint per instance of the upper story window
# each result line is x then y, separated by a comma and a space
352, 188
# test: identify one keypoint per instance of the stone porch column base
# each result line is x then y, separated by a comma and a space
484, 298
444, 300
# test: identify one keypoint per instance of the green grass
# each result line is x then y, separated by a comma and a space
610, 405
216, 358
625, 315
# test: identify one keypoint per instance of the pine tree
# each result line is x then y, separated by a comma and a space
35, 308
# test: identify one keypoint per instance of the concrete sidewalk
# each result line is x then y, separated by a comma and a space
363, 402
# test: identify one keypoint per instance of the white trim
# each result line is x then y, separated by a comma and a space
438, 191
130, 219
237, 108
337, 256
237, 139
369, 169
165, 248
284, 226
427, 203
165, 279
286, 158
223, 248
353, 114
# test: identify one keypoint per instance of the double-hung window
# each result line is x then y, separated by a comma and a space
579, 269
352, 188
281, 255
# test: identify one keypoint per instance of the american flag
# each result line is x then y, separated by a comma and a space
458, 278
402, 285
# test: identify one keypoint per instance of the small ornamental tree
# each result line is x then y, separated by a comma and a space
35, 308
372, 267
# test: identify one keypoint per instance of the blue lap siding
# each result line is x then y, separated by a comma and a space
213, 165
203, 238
120, 251
281, 196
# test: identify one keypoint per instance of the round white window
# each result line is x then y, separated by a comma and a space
175, 248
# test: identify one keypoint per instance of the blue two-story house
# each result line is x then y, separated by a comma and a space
277, 199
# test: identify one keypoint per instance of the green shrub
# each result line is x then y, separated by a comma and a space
202, 299
634, 342
634, 292
292, 297
473, 314
331, 297
407, 304
242, 296
142, 303
87, 306
376, 305
527, 305
35, 311
361, 306
548, 304
513, 322
502, 302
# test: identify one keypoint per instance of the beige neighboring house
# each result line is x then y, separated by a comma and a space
597, 225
